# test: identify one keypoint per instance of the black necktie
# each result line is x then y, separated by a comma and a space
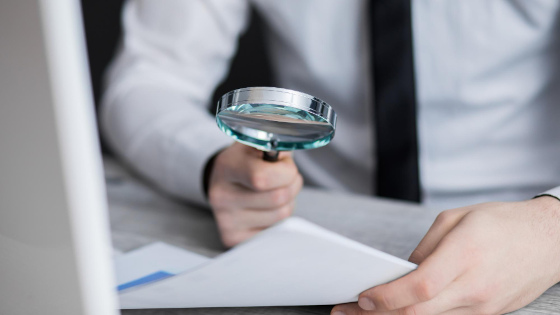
395, 100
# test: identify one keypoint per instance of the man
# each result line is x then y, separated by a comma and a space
463, 111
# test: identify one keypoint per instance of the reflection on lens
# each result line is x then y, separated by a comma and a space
275, 127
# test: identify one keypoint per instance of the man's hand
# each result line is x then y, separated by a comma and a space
248, 194
490, 258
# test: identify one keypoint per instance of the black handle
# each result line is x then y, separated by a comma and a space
271, 156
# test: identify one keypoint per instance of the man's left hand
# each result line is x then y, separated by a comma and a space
490, 258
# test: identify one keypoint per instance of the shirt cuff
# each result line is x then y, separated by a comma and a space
194, 148
554, 192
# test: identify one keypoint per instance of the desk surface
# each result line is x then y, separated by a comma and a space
139, 215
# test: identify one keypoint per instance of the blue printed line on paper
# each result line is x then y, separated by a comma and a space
158, 275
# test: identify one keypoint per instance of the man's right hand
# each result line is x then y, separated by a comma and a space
248, 194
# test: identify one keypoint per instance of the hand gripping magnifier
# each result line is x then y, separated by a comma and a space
274, 119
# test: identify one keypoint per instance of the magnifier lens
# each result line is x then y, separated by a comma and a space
276, 119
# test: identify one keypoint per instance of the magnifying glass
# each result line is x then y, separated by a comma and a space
274, 119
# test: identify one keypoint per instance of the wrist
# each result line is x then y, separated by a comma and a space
549, 207
549, 202
207, 173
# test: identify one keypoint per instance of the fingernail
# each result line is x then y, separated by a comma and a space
338, 313
366, 304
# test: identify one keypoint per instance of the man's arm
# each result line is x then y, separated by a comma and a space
154, 112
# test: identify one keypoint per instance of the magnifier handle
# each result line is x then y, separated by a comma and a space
271, 156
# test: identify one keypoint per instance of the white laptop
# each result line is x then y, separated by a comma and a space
55, 254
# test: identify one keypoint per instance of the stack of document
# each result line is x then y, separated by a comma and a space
292, 263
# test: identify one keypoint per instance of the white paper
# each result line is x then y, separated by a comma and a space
292, 263
156, 257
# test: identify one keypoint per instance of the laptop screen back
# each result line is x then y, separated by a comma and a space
54, 237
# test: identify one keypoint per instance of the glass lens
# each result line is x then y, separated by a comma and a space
275, 127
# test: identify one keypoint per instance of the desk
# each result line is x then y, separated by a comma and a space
140, 215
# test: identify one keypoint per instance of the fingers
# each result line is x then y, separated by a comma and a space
260, 219
444, 223
469, 268
271, 199
248, 194
425, 283
248, 169
449, 302
445, 303
236, 227
433, 275
232, 239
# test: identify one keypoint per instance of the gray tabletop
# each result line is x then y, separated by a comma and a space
141, 215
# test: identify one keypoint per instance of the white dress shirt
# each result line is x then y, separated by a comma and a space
487, 84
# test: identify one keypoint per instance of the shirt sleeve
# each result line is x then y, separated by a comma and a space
554, 192
154, 112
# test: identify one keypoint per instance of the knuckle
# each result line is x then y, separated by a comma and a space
280, 197
425, 290
445, 217
409, 310
285, 212
481, 296
259, 180
386, 302
381, 299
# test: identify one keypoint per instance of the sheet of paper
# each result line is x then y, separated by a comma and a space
153, 263
292, 263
